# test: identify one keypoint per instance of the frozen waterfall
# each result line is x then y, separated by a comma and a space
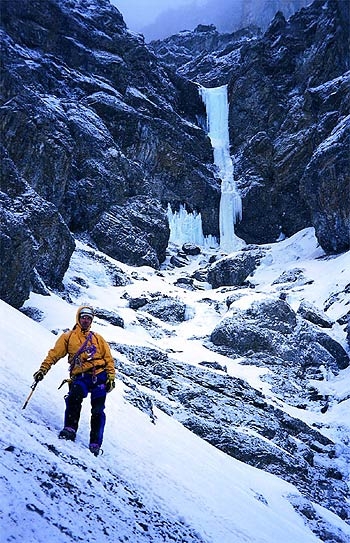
185, 226
216, 103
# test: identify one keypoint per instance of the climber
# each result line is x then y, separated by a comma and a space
91, 370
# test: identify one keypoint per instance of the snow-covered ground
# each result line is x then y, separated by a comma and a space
154, 482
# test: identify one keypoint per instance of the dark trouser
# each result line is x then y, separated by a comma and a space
79, 389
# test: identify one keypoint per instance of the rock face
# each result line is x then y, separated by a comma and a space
136, 234
35, 243
285, 134
99, 121
288, 118
197, 54
325, 184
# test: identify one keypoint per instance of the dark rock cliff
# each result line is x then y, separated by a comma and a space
89, 120
295, 82
288, 119
35, 243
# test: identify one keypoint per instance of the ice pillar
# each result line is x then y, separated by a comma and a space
216, 104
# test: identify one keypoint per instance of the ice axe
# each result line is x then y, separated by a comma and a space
33, 387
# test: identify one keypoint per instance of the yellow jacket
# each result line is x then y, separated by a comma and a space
95, 357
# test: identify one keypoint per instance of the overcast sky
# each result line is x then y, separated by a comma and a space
139, 13
157, 19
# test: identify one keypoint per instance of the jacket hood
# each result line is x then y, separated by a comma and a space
80, 309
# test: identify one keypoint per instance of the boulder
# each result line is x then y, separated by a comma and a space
137, 303
179, 260
234, 270
167, 309
312, 314
274, 314
291, 278
241, 338
109, 316
191, 249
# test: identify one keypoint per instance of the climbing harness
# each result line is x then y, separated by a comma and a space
90, 350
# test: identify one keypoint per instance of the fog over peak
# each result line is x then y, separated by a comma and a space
158, 19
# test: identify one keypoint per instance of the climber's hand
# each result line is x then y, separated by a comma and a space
39, 376
110, 382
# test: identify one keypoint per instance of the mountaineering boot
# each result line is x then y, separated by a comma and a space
94, 448
67, 433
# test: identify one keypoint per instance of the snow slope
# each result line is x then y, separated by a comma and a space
154, 482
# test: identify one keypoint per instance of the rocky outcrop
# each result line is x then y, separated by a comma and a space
312, 314
232, 416
167, 310
109, 316
200, 54
294, 84
270, 329
18, 257
326, 186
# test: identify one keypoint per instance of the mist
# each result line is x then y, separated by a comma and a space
158, 19
138, 14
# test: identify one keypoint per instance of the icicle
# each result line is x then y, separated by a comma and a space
186, 227
216, 103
